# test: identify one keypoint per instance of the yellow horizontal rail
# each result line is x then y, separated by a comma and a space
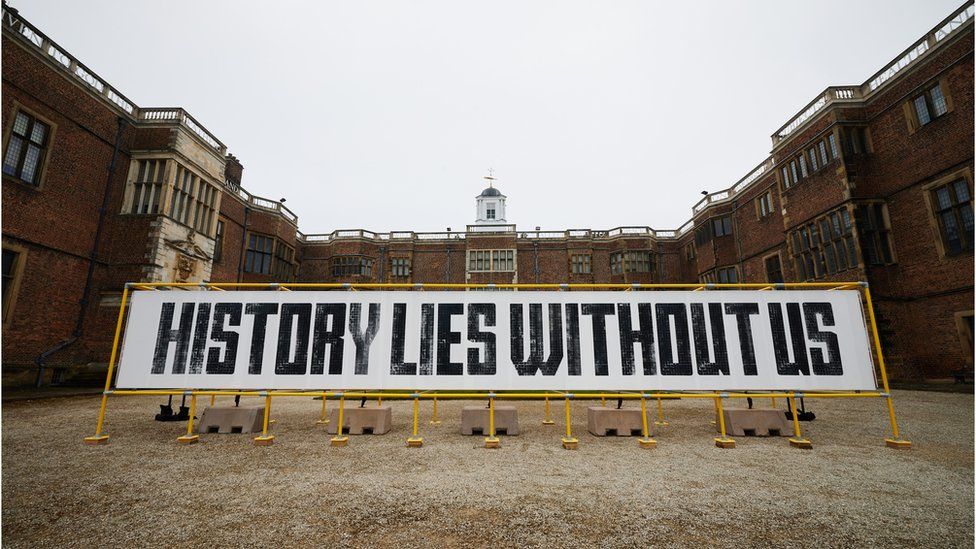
420, 286
486, 394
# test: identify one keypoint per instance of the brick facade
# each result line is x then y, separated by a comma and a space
884, 157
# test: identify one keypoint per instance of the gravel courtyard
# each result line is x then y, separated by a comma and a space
143, 489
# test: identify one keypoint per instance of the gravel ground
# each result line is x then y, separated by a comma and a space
143, 489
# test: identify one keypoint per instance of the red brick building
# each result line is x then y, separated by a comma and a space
867, 182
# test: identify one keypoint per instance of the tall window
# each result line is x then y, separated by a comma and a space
824, 246
722, 226
148, 187
400, 266
490, 212
716, 226
351, 265
26, 148
194, 200
690, 251
764, 204
491, 260
930, 105
283, 267
581, 263
954, 210
874, 234
219, 242
257, 258
631, 262
722, 275
834, 152
774, 269
11, 265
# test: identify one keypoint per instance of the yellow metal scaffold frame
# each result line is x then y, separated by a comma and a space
491, 441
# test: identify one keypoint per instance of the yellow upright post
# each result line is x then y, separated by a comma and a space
548, 419
797, 441
646, 441
569, 441
265, 439
99, 438
660, 413
603, 400
491, 441
772, 401
415, 441
324, 419
895, 441
434, 420
213, 399
340, 439
723, 441
189, 437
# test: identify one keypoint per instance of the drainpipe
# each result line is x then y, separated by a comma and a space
92, 258
240, 258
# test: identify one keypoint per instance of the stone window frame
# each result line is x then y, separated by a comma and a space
585, 265
927, 190
712, 276
965, 335
219, 240
15, 282
254, 252
925, 90
48, 149
885, 229
809, 252
363, 265
770, 207
765, 262
283, 258
491, 256
402, 270
129, 197
620, 263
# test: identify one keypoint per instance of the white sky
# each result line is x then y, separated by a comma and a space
385, 115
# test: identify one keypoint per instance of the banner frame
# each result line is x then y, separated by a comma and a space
895, 441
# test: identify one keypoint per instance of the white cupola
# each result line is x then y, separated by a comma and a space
490, 205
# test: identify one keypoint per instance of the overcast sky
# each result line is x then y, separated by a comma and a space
386, 115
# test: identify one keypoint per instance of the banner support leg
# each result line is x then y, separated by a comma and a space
434, 420
99, 438
213, 399
340, 439
548, 419
324, 419
569, 441
723, 441
660, 413
646, 441
895, 441
491, 441
415, 441
189, 437
797, 441
265, 439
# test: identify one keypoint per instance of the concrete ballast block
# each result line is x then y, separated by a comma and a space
762, 422
369, 420
231, 419
623, 422
474, 420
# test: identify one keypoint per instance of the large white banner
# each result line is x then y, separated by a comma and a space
638, 340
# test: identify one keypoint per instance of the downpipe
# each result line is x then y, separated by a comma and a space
92, 258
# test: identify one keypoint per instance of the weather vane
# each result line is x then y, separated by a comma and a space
490, 177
